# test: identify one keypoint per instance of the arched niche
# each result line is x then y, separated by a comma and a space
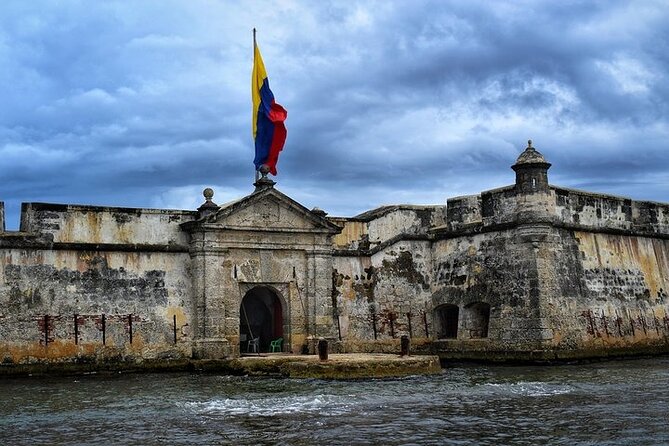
477, 319
447, 317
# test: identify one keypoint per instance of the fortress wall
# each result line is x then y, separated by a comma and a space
354, 233
498, 205
496, 269
463, 211
381, 225
611, 294
353, 283
404, 220
610, 212
573, 207
41, 291
593, 210
389, 290
106, 225
651, 217
403, 275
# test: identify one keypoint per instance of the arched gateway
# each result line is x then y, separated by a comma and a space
261, 268
261, 317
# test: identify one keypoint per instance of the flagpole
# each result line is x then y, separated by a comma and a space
255, 171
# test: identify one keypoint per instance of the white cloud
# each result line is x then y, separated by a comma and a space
630, 75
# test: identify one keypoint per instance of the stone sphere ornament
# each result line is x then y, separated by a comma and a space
264, 170
208, 193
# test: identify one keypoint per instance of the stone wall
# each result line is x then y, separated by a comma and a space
84, 306
463, 212
608, 212
106, 225
354, 234
609, 295
85, 284
380, 297
560, 270
385, 225
496, 271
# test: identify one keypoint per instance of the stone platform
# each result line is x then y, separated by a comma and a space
337, 366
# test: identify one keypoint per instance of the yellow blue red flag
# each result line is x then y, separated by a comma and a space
269, 130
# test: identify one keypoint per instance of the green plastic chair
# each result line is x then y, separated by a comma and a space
275, 345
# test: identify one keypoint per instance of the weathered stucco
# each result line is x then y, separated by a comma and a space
526, 271
44, 294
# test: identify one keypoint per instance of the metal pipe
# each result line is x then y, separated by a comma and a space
46, 330
130, 327
427, 333
104, 330
174, 319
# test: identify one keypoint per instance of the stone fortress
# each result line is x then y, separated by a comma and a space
529, 271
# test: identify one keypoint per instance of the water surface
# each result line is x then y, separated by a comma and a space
612, 403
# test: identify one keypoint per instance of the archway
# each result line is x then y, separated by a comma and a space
477, 319
447, 321
260, 317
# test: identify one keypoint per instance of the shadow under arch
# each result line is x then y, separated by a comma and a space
262, 315
477, 319
446, 317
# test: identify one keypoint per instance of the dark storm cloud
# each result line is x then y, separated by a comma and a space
143, 104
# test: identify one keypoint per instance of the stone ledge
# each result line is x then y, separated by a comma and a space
338, 366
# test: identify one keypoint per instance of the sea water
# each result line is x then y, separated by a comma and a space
607, 403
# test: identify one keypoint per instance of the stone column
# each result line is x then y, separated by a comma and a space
209, 340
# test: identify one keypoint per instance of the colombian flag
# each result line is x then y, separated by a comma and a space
269, 131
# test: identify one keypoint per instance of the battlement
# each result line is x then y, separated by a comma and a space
105, 225
569, 207
598, 211
372, 228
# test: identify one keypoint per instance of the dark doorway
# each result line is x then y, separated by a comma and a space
478, 319
447, 321
260, 318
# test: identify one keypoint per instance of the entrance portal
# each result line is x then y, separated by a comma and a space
260, 319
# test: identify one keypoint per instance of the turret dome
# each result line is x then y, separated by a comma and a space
530, 156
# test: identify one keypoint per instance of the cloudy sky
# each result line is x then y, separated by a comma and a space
145, 103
